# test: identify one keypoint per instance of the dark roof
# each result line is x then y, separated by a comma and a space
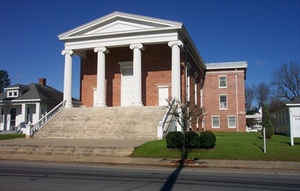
36, 91
296, 100
2, 96
16, 86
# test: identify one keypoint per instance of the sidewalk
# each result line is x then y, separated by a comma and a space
239, 164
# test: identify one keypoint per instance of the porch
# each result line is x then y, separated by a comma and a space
14, 115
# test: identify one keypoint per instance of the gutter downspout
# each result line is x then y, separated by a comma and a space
236, 101
201, 104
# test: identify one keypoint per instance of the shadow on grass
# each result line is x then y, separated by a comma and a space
172, 178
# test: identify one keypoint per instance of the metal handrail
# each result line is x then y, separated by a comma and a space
165, 132
166, 117
47, 117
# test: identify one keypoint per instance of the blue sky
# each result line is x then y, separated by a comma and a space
265, 33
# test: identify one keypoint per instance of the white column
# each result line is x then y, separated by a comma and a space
137, 71
23, 108
37, 112
68, 77
176, 86
101, 83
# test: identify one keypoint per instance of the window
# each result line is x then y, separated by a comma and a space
12, 93
215, 122
222, 82
223, 102
231, 122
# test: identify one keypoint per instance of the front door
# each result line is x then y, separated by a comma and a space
127, 84
13, 113
163, 95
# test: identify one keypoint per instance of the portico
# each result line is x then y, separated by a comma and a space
126, 58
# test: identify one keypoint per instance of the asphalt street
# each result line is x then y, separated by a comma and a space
18, 175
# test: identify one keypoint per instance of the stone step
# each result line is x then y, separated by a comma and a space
111, 123
66, 150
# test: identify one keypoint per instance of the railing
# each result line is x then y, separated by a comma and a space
171, 123
46, 118
162, 128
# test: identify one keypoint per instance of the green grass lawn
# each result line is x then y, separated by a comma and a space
11, 136
232, 146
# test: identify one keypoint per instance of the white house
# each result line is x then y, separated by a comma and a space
257, 121
23, 104
288, 120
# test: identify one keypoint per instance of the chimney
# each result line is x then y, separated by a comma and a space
43, 81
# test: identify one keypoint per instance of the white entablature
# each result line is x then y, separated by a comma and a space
122, 29
119, 23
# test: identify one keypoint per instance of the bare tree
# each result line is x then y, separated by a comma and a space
250, 96
262, 92
287, 81
183, 114
275, 104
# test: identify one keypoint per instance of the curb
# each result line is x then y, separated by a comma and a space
234, 164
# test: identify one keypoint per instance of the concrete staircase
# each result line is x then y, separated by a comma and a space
65, 149
119, 123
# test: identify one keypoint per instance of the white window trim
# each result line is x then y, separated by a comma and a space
219, 80
225, 108
228, 121
163, 86
12, 93
212, 121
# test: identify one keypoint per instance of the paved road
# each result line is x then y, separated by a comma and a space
50, 176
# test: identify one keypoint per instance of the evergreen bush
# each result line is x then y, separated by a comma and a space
266, 123
207, 140
175, 140
192, 140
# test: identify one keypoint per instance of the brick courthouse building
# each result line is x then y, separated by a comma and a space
131, 60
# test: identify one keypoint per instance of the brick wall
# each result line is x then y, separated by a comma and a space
211, 92
156, 70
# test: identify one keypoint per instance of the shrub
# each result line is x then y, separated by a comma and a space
207, 140
174, 140
269, 129
266, 123
192, 140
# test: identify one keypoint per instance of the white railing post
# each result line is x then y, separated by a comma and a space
27, 130
46, 118
160, 131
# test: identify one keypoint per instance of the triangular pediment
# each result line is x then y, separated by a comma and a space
116, 23
120, 26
